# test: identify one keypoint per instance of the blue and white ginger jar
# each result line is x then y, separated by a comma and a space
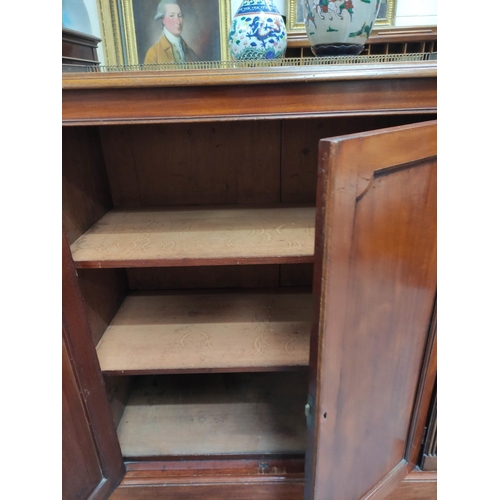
258, 32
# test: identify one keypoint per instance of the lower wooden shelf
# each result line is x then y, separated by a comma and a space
215, 415
211, 331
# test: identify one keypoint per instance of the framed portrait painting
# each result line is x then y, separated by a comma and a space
178, 31
295, 14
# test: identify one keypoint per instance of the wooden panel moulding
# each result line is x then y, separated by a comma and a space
215, 479
152, 470
249, 76
417, 485
224, 489
389, 95
191, 237
209, 479
208, 332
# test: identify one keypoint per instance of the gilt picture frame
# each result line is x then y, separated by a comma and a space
295, 15
205, 30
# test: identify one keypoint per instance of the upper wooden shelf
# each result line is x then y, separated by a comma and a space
197, 237
159, 333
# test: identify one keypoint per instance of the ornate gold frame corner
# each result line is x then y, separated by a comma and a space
390, 15
294, 25
109, 22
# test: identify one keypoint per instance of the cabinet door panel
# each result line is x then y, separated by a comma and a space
375, 281
81, 471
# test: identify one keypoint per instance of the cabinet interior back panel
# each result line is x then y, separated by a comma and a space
209, 331
215, 414
247, 277
193, 164
300, 138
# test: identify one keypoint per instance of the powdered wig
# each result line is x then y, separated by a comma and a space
162, 8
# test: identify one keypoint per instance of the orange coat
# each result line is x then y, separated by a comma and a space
161, 52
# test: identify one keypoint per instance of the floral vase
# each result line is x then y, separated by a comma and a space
339, 27
258, 31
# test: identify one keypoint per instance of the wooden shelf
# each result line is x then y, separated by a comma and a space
196, 237
159, 333
215, 414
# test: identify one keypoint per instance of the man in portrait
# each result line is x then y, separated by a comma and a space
170, 47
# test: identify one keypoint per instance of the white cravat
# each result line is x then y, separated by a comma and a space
176, 42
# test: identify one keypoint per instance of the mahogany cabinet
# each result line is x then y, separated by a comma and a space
249, 279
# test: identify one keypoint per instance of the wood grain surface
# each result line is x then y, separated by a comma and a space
215, 414
181, 164
224, 489
210, 331
81, 471
376, 284
417, 485
86, 196
182, 237
81, 350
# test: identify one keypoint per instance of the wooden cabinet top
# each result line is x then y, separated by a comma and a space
250, 93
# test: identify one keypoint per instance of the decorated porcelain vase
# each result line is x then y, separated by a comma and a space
258, 31
339, 27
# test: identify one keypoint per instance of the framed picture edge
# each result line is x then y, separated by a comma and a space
109, 23
294, 26
390, 15
128, 29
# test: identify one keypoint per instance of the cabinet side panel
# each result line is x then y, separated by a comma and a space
103, 291
85, 189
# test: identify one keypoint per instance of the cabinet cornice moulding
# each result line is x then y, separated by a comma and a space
254, 76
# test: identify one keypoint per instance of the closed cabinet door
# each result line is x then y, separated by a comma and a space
376, 288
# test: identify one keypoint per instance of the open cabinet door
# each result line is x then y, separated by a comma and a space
92, 464
375, 283
81, 471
